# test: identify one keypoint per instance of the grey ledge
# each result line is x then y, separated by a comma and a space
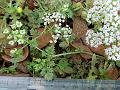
31, 83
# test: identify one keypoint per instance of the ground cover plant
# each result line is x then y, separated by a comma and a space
75, 39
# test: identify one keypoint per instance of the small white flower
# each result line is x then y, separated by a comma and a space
67, 26
56, 25
13, 26
18, 24
6, 31
19, 36
22, 32
58, 35
51, 41
13, 51
60, 24
11, 43
55, 41
15, 32
66, 6
114, 3
9, 37
53, 36
63, 21
20, 41
45, 23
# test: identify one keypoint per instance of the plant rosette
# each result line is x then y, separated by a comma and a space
7, 56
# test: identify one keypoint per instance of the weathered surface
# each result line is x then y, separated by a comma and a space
29, 83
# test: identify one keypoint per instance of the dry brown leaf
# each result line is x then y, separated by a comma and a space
79, 27
22, 66
31, 4
99, 50
76, 58
44, 39
86, 49
8, 58
113, 73
119, 12
79, 44
77, 1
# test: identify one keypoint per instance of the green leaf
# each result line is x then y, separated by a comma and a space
118, 63
94, 60
63, 63
68, 70
33, 43
77, 6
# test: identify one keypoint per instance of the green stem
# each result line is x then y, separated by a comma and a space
64, 54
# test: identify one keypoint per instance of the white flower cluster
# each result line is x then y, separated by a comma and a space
59, 32
93, 39
54, 17
16, 34
106, 13
102, 10
62, 33
113, 53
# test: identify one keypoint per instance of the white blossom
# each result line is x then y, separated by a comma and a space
22, 32
13, 26
108, 33
113, 53
20, 41
6, 31
55, 16
18, 24
13, 51
9, 37
11, 43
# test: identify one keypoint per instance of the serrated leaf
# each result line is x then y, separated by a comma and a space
33, 43
63, 63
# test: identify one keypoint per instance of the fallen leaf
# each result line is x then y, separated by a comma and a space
99, 50
118, 12
22, 66
113, 73
76, 58
79, 44
44, 39
79, 27
8, 58
31, 4
86, 49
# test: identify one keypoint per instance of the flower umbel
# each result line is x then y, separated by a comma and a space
105, 14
